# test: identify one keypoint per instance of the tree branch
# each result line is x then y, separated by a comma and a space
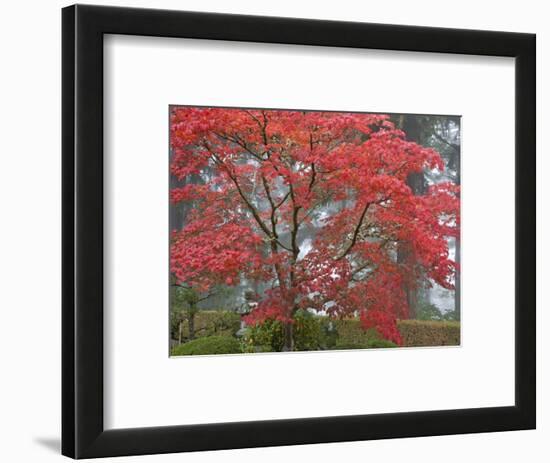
240, 143
356, 231
273, 217
313, 176
261, 126
295, 224
282, 201
250, 206
255, 213
445, 142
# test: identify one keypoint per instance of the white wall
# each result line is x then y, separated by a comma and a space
30, 227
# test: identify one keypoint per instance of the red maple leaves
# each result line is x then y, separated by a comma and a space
312, 204
385, 323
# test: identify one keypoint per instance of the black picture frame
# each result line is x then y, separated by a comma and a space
83, 433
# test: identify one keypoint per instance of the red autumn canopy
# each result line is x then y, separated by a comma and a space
313, 204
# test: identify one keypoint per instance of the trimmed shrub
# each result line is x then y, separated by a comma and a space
349, 345
380, 343
208, 346
247, 348
416, 333
366, 344
351, 332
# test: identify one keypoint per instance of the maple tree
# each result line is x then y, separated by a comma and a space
313, 205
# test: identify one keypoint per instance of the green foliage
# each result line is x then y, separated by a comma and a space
328, 333
313, 332
366, 343
207, 323
269, 333
307, 329
176, 317
187, 302
208, 346
186, 296
429, 333
380, 343
183, 305
350, 335
349, 345
452, 315
427, 311
350, 332
213, 322
248, 348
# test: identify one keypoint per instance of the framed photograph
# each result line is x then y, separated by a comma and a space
285, 231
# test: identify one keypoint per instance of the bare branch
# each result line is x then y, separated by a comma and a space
281, 202
356, 231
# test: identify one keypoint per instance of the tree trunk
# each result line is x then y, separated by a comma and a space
191, 321
404, 255
457, 278
180, 332
288, 331
457, 243
412, 126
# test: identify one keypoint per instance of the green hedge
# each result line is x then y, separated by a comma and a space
313, 332
350, 332
416, 333
367, 344
212, 323
208, 346
320, 333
